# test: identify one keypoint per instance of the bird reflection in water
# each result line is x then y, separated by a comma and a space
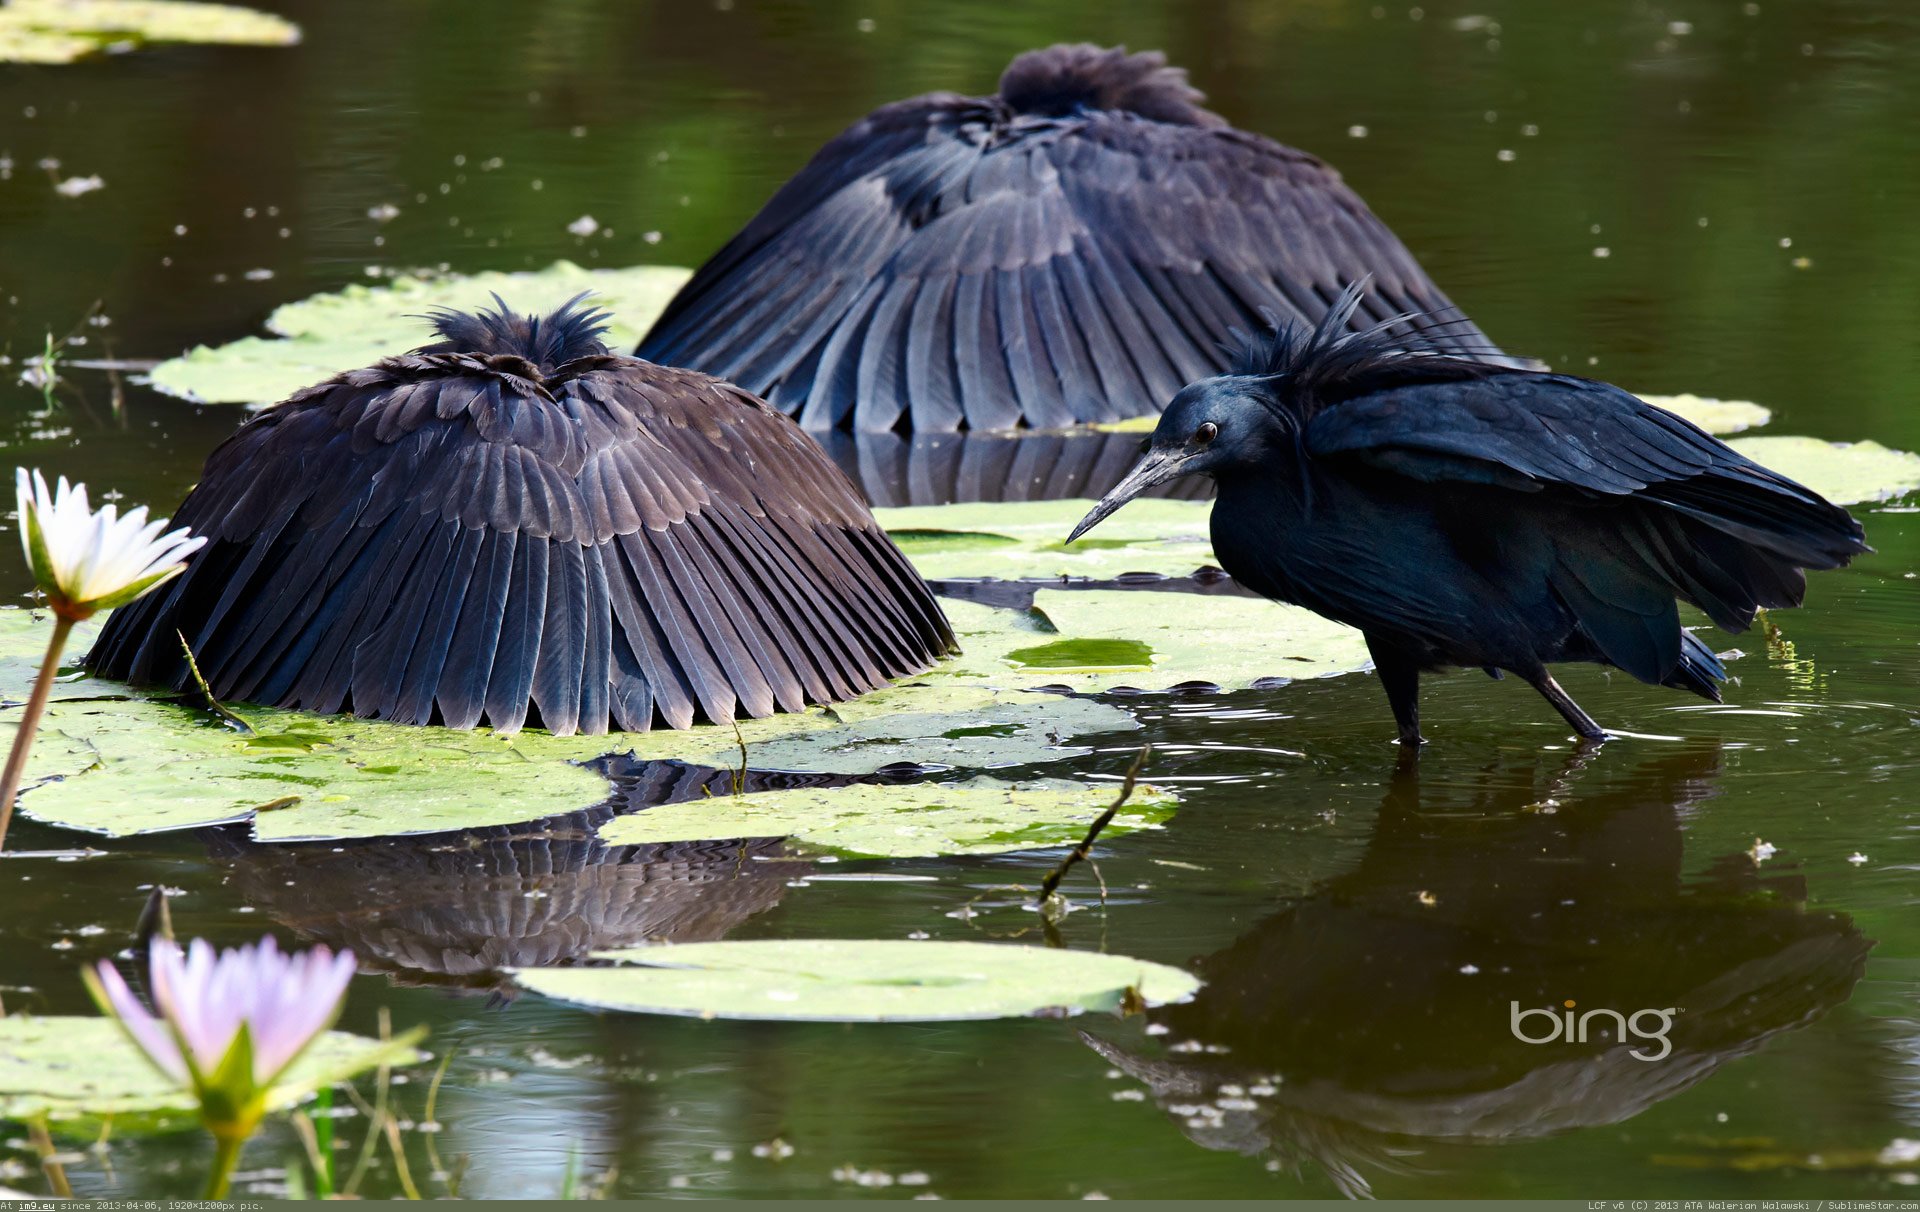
456, 909
1376, 1015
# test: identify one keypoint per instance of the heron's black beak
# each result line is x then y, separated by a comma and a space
1157, 467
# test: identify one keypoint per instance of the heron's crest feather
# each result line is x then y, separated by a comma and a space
1057, 80
571, 332
1311, 368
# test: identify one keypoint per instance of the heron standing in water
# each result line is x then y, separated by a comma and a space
1463, 514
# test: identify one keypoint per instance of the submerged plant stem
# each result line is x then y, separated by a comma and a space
42, 1138
226, 1156
310, 1141
1080, 852
30, 723
377, 1113
206, 692
430, 1126
400, 1159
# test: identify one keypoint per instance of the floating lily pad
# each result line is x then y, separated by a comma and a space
23, 645
861, 981
63, 31
1015, 539
922, 820
141, 765
119, 768
1843, 472
1740, 1156
1166, 638
1084, 656
1714, 416
938, 542
941, 720
84, 1068
358, 325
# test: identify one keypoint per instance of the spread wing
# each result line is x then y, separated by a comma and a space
1535, 431
941, 266
459, 537
1723, 531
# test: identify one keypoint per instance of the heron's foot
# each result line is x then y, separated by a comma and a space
1589, 732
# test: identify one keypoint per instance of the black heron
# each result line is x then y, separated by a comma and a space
1462, 514
514, 519
1068, 250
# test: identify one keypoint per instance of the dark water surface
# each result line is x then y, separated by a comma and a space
1749, 172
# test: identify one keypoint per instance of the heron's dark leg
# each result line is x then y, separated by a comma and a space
1400, 678
1568, 709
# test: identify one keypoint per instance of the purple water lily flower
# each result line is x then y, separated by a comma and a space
283, 1001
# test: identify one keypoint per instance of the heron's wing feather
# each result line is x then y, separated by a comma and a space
1544, 429
1536, 432
441, 538
941, 266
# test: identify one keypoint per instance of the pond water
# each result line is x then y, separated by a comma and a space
1715, 198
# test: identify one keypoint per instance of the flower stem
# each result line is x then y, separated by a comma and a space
42, 1138
30, 723
226, 1156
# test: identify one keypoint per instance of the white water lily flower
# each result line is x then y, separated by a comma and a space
87, 561
84, 562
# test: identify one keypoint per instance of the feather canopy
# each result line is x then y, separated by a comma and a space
1072, 249
513, 524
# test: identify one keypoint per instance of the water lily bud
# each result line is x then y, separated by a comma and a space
229, 1025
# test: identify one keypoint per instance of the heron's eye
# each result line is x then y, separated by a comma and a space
1146, 444
1207, 432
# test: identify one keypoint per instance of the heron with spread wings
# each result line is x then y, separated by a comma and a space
1072, 249
515, 523
1461, 514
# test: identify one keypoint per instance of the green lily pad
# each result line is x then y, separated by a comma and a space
921, 820
140, 765
1229, 641
935, 542
23, 645
1738, 1155
861, 981
358, 325
1714, 416
84, 1068
1845, 473
940, 720
1084, 656
1025, 539
63, 31
120, 768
